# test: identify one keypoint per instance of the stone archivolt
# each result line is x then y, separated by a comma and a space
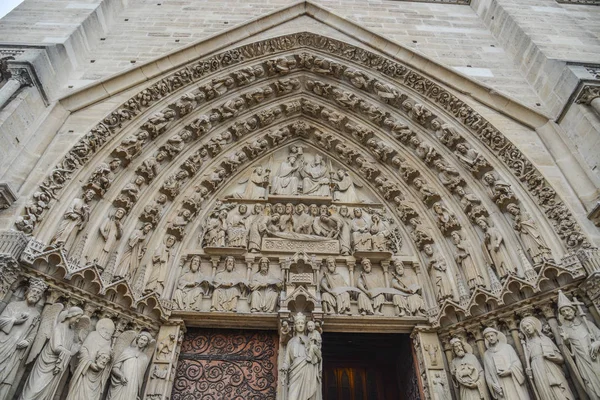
272, 179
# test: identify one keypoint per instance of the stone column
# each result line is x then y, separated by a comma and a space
161, 374
12, 245
18, 79
431, 367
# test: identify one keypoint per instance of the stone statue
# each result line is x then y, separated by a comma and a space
410, 303
544, 362
503, 370
265, 289
302, 364
464, 259
257, 228
495, 247
58, 340
467, 372
370, 299
301, 221
93, 368
160, 266
335, 291
315, 176
189, 288
135, 250
256, 187
343, 188
111, 231
380, 232
19, 324
74, 220
237, 227
286, 181
532, 239
439, 272
129, 368
342, 221
216, 229
582, 340
361, 235
227, 284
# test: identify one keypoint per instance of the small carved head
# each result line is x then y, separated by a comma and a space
300, 208
143, 340
531, 326
458, 347
147, 227
299, 323
567, 312
229, 263
102, 359
398, 267
243, 209
195, 264
428, 250
330, 263
366, 265
119, 213
263, 264
169, 241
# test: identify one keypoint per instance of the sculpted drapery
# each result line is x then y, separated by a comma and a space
18, 326
503, 369
302, 363
467, 372
127, 375
54, 358
545, 360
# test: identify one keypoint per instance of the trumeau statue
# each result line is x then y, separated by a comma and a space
129, 368
410, 301
370, 300
335, 291
111, 232
135, 250
160, 266
302, 364
503, 369
467, 372
265, 288
544, 362
93, 368
57, 341
228, 285
74, 220
19, 324
189, 289
582, 340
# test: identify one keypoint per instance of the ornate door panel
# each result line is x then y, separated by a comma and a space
227, 365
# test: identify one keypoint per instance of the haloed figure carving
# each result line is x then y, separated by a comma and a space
93, 369
59, 345
544, 362
18, 325
334, 290
227, 288
129, 368
467, 372
582, 339
74, 220
302, 364
503, 369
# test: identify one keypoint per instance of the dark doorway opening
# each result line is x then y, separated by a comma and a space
361, 366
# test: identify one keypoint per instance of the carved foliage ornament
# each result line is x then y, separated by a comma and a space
521, 167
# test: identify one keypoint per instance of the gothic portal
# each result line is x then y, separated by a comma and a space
299, 210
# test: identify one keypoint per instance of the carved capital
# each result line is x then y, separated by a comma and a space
587, 94
7, 196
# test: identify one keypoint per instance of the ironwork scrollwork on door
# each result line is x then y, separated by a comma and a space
227, 365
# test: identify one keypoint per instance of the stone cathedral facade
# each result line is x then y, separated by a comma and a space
300, 201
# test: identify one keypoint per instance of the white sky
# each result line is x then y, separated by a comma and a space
7, 5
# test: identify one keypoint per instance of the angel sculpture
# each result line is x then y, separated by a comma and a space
129, 368
257, 184
93, 369
343, 187
60, 335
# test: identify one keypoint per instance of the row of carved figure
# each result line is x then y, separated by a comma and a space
263, 289
302, 175
103, 364
503, 375
357, 229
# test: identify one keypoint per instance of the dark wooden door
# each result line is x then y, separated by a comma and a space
227, 365
354, 383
